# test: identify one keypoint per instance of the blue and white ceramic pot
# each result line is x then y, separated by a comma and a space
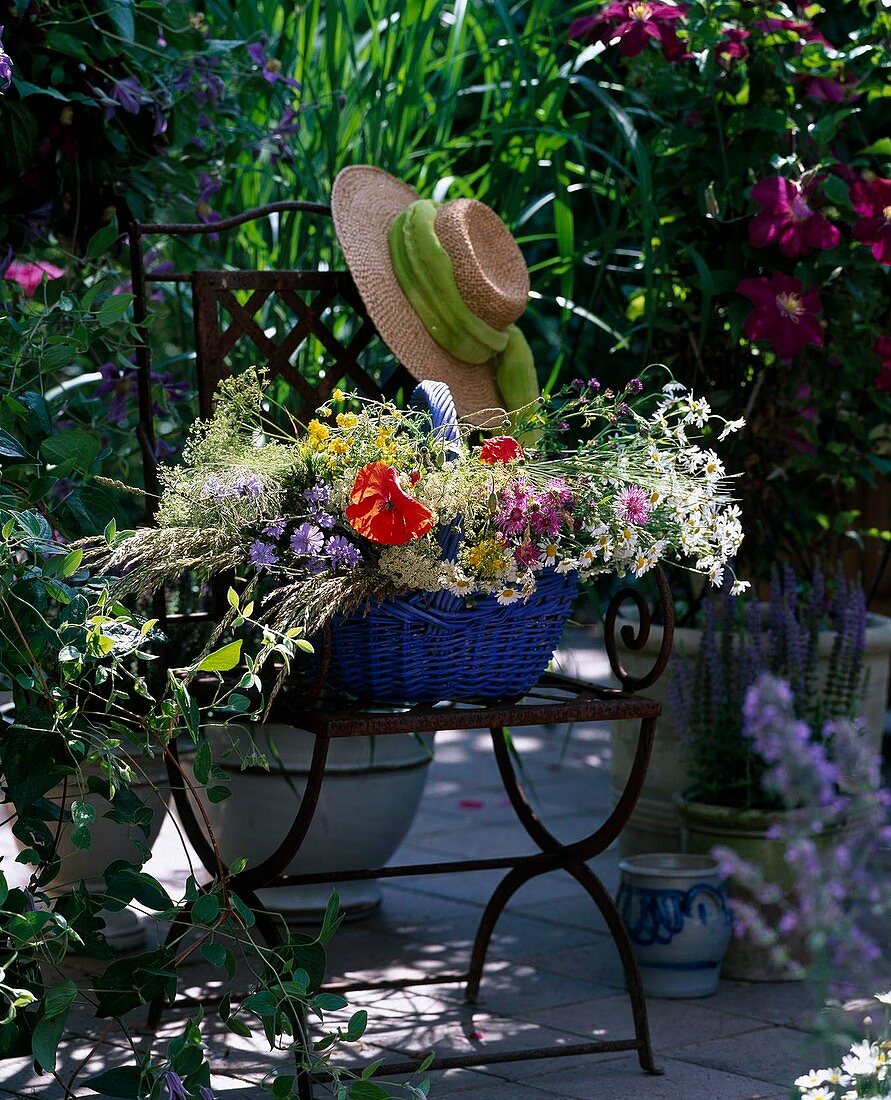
676, 912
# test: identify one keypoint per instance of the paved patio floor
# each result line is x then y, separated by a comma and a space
552, 977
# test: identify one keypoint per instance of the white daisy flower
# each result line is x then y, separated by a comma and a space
811, 1080
739, 587
730, 427
863, 1061
550, 553
885, 998
508, 596
566, 565
819, 1094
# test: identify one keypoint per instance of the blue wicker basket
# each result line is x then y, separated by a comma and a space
426, 647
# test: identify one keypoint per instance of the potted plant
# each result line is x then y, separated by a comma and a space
825, 632
772, 760
442, 567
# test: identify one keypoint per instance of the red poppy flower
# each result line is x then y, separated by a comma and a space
882, 348
503, 448
380, 510
634, 24
872, 201
788, 220
785, 314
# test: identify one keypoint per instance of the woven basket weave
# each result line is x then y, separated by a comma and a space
427, 647
407, 651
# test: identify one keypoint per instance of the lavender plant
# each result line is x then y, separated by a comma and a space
742, 640
823, 919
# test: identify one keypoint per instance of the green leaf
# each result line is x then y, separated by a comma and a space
218, 794
10, 447
58, 998
836, 190
25, 88
120, 12
101, 242
221, 660
71, 449
206, 909
329, 1002
332, 919
357, 1025
125, 1082
239, 1027
45, 1040
202, 762
368, 1090
880, 148
283, 1086
19, 130
113, 309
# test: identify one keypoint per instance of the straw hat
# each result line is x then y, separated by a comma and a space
489, 268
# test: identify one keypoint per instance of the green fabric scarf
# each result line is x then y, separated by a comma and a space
425, 273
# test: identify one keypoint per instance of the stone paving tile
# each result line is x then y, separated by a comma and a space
621, 1078
771, 1054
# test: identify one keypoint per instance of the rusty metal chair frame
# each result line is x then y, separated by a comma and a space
556, 699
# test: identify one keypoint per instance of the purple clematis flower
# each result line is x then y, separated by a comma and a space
129, 95
634, 24
733, 47
5, 66
785, 314
872, 201
841, 88
788, 219
270, 67
176, 1088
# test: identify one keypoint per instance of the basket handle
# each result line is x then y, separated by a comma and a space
436, 399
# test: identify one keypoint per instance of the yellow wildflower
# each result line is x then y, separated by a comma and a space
340, 446
318, 434
347, 420
488, 557
338, 395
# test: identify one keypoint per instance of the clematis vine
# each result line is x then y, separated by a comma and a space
634, 24
270, 67
785, 314
30, 273
787, 219
5, 66
840, 88
872, 201
732, 47
882, 348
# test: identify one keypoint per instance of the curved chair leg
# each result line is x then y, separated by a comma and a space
600, 895
505, 890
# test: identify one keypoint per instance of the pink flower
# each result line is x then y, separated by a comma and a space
632, 506
526, 555
29, 273
882, 348
733, 47
787, 218
872, 201
804, 31
634, 24
830, 89
785, 314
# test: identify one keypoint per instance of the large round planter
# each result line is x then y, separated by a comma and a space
655, 824
110, 841
675, 910
747, 833
370, 796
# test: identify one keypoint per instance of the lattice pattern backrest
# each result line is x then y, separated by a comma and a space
229, 309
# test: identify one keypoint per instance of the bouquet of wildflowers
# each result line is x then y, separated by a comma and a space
865, 1071
369, 500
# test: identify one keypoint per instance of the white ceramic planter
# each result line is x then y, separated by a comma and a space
370, 795
675, 910
655, 824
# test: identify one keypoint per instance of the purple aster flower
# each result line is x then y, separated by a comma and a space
633, 506
263, 553
176, 1089
635, 385
317, 494
342, 552
274, 530
594, 385
307, 540
324, 519
248, 485
213, 488
557, 489
527, 555
5, 66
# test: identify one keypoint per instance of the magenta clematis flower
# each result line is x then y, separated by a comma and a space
634, 24
733, 47
840, 88
5, 66
785, 313
29, 274
872, 201
882, 348
804, 31
788, 220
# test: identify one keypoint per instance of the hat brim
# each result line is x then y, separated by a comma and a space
364, 201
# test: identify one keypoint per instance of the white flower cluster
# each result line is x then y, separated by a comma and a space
864, 1073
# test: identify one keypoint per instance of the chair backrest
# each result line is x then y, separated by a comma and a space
226, 306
